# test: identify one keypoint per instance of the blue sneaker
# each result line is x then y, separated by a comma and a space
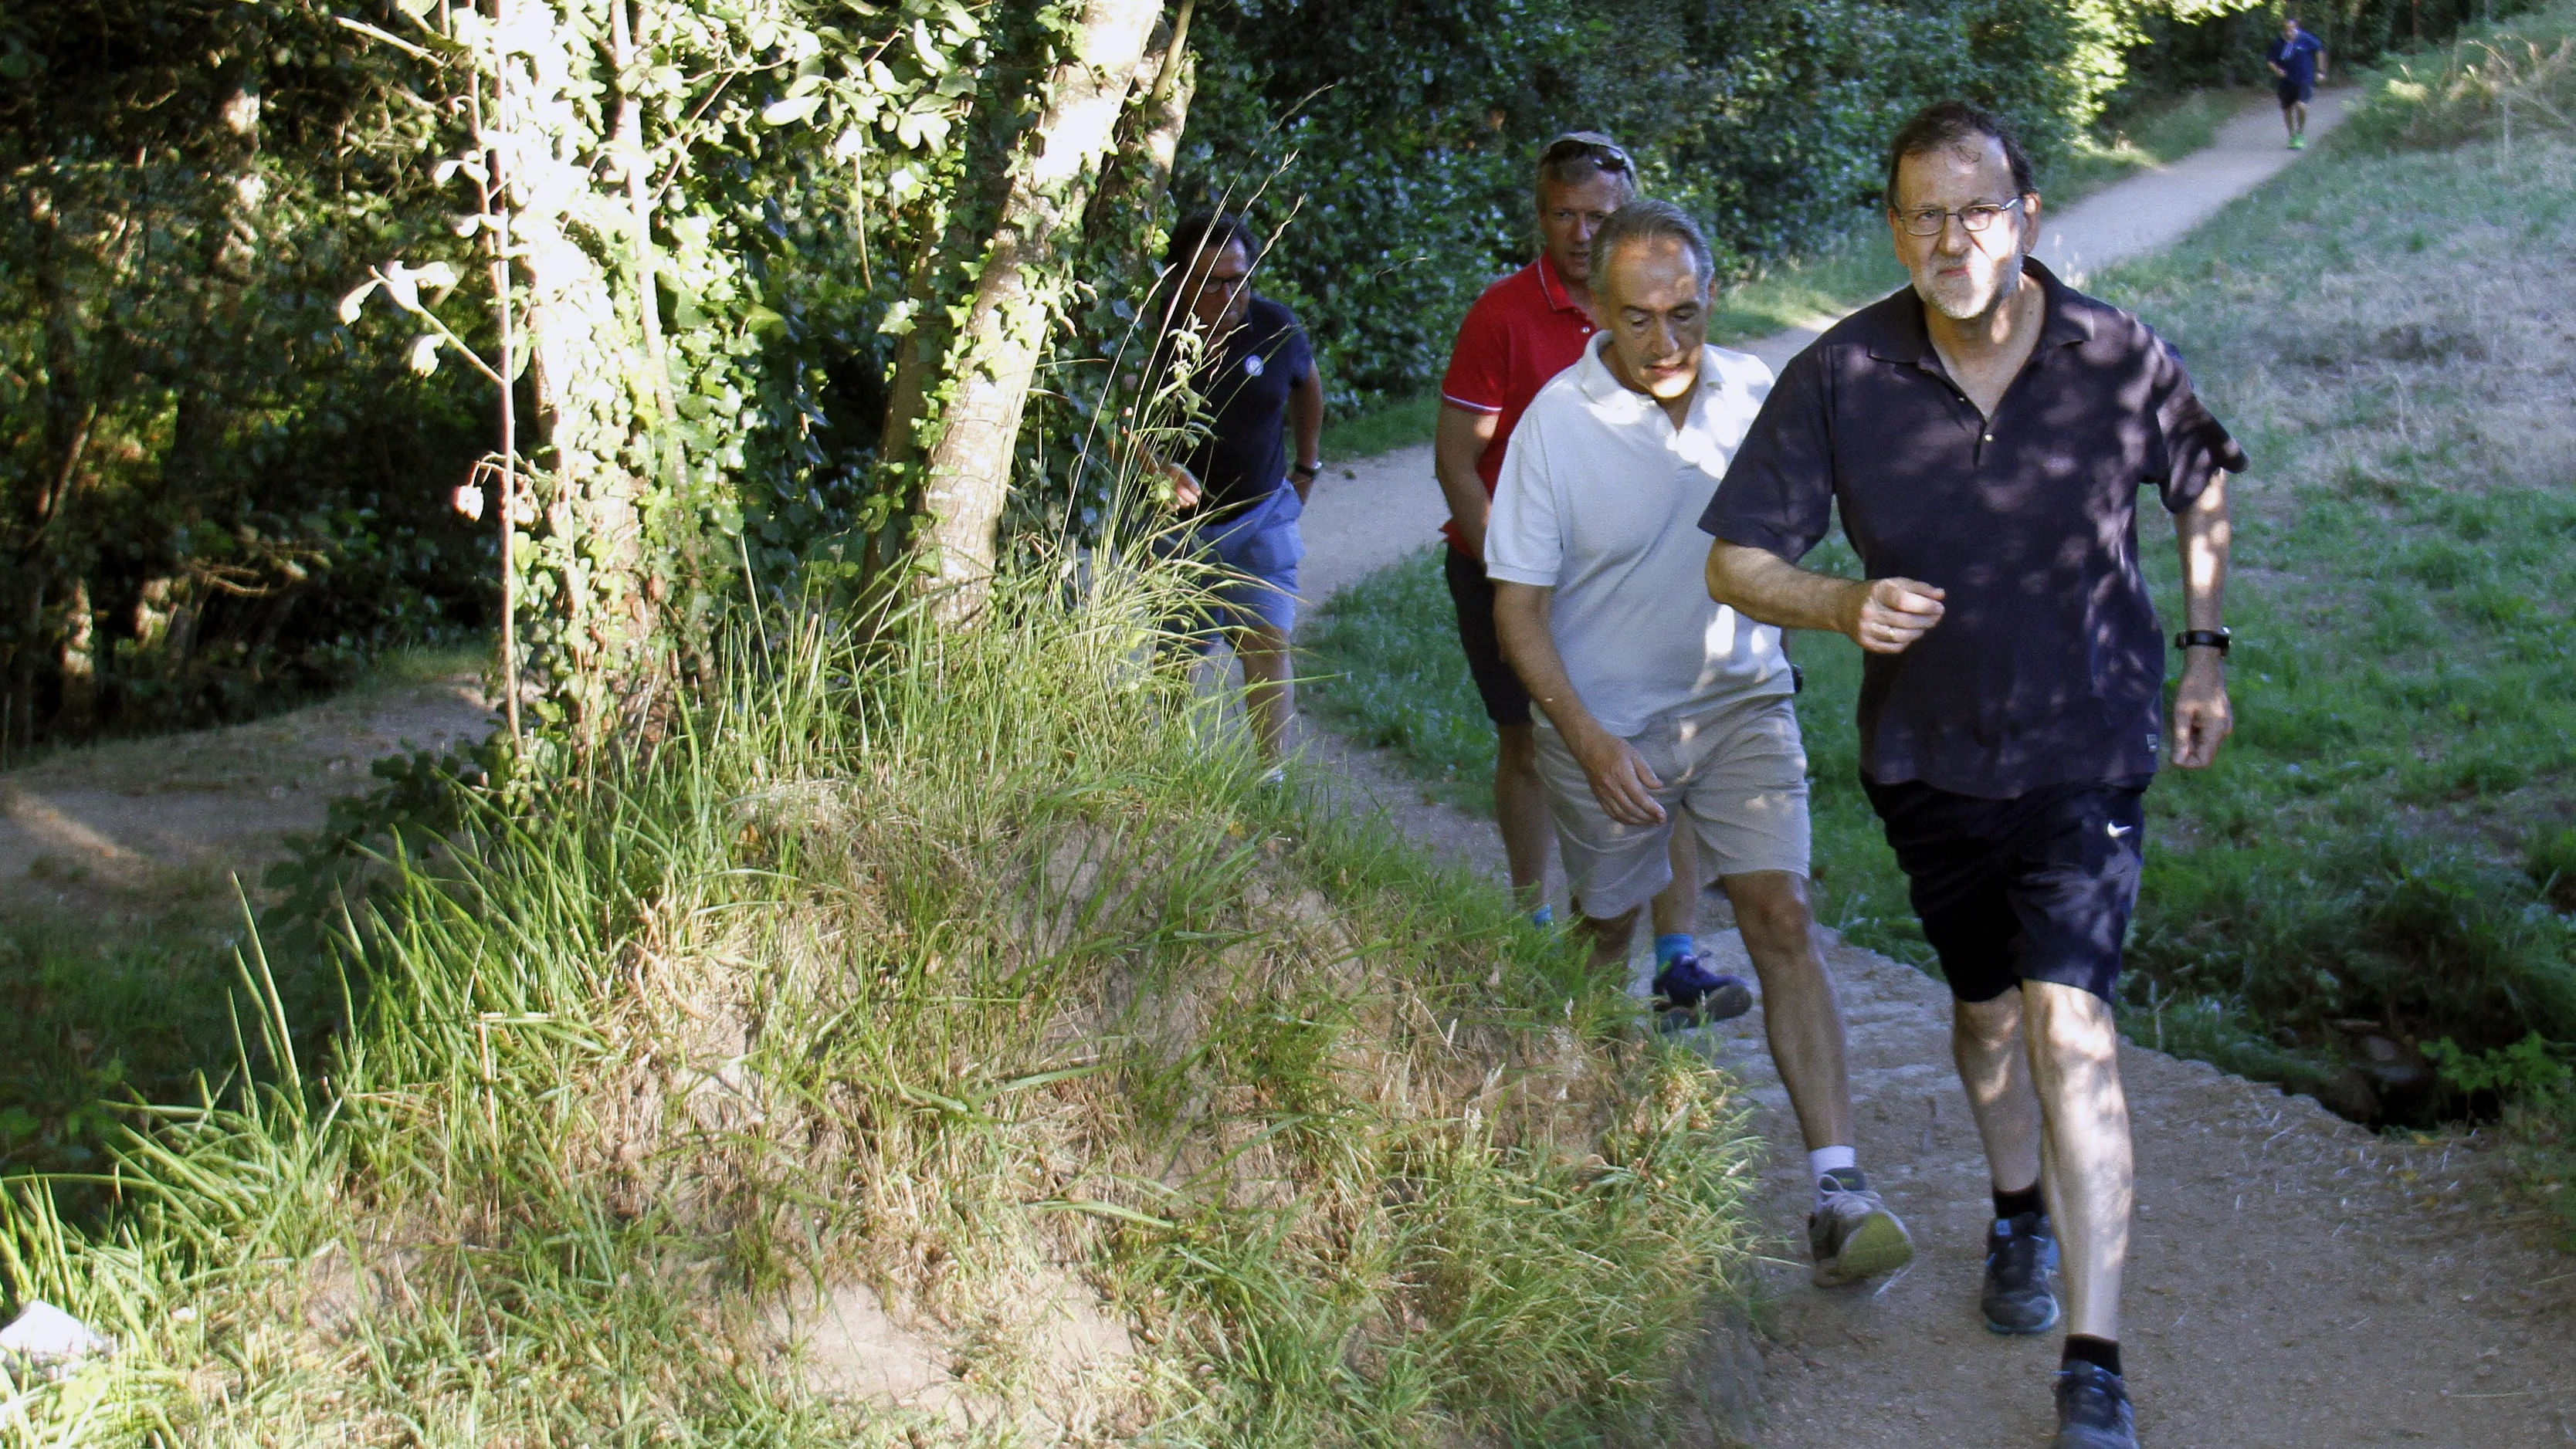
1688, 994
2093, 1410
2021, 1263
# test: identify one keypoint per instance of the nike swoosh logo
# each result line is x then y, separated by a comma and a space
2121, 832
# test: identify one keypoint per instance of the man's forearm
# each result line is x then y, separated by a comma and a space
1520, 618
2204, 532
1457, 442
1306, 418
1769, 589
1468, 505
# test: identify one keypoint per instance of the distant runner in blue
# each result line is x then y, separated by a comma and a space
2298, 59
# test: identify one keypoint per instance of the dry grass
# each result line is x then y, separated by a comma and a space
971, 1011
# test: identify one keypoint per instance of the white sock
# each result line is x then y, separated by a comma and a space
1827, 1159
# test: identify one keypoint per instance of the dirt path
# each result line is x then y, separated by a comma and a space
144, 829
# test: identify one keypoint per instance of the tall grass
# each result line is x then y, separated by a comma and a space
2481, 87
975, 972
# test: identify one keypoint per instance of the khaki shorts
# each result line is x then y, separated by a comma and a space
1737, 773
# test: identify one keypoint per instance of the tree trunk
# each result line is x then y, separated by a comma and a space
1020, 288
594, 521
1133, 179
77, 715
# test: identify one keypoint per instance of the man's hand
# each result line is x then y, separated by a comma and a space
1620, 778
1458, 440
2202, 718
1886, 615
1185, 485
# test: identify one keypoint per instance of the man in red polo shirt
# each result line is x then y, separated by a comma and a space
1525, 329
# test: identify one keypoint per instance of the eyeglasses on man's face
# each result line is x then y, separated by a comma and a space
1974, 217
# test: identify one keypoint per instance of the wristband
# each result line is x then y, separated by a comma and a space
2203, 639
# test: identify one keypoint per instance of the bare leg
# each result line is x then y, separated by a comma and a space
1520, 807
1985, 1041
1268, 696
1799, 1012
1676, 906
1610, 937
2075, 1062
2299, 118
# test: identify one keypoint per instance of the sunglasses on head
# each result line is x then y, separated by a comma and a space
1600, 150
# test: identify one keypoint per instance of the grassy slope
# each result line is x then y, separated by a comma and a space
977, 972
1843, 277
2372, 855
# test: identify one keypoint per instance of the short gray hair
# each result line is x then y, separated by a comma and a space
1577, 157
1645, 221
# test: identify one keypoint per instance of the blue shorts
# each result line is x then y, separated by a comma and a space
1258, 550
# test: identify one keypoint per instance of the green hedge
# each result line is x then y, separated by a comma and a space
1394, 141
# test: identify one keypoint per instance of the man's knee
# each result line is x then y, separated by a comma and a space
1991, 1023
2069, 1025
1771, 908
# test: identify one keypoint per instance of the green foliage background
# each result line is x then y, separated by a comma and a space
220, 497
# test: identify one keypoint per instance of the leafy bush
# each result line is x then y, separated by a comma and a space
2477, 89
1404, 180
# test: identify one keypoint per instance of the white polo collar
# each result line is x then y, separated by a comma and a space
1600, 384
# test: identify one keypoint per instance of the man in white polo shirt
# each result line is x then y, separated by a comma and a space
1657, 699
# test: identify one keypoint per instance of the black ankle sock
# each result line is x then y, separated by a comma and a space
2014, 1204
2102, 1353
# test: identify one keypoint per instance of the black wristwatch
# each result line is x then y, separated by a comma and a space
1300, 470
2203, 639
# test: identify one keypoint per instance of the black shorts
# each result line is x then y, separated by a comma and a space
1506, 703
2293, 94
2036, 888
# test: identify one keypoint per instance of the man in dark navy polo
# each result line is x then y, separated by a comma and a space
1253, 371
2298, 62
1985, 433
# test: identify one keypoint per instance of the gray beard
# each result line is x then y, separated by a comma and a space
2007, 286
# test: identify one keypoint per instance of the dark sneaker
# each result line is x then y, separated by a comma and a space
2093, 1410
1688, 994
1853, 1235
2021, 1272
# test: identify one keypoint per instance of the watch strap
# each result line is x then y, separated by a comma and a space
2217, 639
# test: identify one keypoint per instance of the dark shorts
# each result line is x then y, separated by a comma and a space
1506, 703
2036, 888
2294, 94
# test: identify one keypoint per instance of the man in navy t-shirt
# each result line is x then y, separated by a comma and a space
1984, 436
1254, 376
2298, 60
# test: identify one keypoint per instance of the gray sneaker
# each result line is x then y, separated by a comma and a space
1853, 1235
2093, 1410
2021, 1273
